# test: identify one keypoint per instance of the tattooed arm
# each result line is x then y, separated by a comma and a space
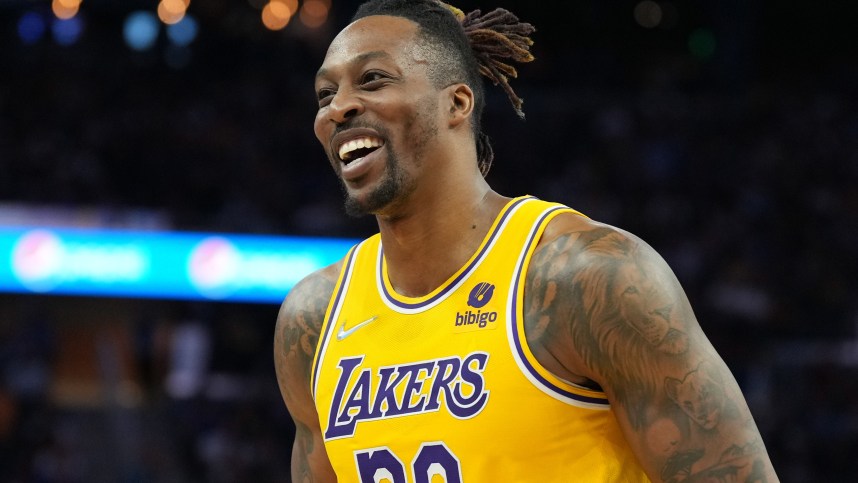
603, 308
295, 339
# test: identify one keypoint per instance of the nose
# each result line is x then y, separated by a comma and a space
344, 106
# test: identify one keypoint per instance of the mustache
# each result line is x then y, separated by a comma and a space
359, 123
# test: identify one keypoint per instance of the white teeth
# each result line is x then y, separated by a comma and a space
365, 142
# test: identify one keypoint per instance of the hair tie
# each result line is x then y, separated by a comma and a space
460, 15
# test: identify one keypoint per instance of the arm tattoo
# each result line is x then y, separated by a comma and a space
298, 326
301, 323
304, 443
583, 278
613, 301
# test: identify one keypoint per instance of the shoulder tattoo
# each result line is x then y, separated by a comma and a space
606, 295
606, 301
300, 321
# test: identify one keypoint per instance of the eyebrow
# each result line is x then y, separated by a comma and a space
366, 56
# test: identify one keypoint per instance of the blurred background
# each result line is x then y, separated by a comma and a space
723, 133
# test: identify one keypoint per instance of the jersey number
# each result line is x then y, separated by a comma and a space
379, 464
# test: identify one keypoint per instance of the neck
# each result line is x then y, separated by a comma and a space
427, 243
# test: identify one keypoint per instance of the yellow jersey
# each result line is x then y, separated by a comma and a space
444, 387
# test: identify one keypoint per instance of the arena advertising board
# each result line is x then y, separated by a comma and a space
164, 265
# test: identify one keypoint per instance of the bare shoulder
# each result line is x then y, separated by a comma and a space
603, 306
586, 277
295, 339
573, 234
300, 320
296, 336
579, 270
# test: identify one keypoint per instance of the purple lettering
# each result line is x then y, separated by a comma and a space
406, 389
386, 394
378, 464
358, 399
468, 406
414, 386
347, 366
447, 371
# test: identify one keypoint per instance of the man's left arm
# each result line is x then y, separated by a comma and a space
614, 312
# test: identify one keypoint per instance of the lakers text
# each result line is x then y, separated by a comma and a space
366, 394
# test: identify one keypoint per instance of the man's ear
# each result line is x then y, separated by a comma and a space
461, 104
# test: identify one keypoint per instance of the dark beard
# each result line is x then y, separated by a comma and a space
391, 187
396, 185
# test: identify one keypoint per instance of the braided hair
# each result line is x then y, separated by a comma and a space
466, 47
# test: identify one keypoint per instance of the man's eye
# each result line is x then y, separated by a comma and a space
324, 94
371, 77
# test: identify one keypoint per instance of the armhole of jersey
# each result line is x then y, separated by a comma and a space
332, 314
538, 375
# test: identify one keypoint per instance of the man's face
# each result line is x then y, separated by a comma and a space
378, 111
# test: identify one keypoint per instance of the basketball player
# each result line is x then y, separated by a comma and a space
477, 337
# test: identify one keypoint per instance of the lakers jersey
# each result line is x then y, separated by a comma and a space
444, 388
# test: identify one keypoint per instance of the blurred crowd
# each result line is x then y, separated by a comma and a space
745, 184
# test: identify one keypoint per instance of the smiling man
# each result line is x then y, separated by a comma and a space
478, 337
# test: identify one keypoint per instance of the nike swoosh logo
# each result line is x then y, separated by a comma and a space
343, 333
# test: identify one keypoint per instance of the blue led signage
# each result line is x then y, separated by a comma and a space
224, 267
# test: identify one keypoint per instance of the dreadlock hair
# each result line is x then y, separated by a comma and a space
464, 48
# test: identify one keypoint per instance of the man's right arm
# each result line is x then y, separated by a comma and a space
295, 339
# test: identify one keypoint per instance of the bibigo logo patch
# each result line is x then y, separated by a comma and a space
470, 320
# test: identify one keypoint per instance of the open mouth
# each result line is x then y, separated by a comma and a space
358, 148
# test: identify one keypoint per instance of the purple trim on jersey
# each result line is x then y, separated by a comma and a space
323, 341
465, 272
516, 339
